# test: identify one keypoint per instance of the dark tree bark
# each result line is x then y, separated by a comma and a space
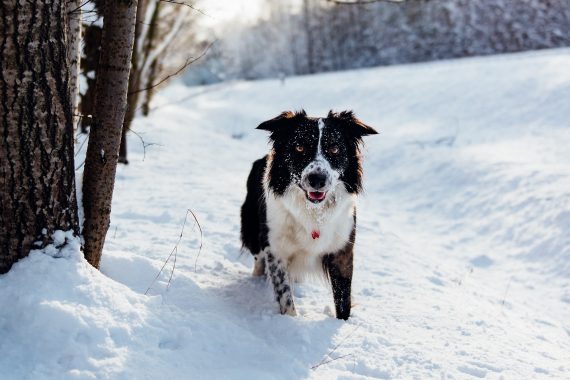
105, 136
37, 178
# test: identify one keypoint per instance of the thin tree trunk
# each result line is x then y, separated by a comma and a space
148, 94
134, 79
89, 61
148, 65
309, 36
37, 178
73, 31
105, 135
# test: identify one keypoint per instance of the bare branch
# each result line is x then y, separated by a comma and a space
191, 6
356, 2
207, 89
79, 7
188, 62
144, 144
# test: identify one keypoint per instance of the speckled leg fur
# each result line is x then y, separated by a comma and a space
277, 273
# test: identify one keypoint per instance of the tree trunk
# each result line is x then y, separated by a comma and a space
148, 94
73, 30
134, 79
105, 135
148, 64
37, 174
309, 37
89, 61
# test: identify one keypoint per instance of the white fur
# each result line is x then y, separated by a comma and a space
321, 126
291, 220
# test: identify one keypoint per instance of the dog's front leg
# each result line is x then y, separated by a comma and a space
339, 269
277, 272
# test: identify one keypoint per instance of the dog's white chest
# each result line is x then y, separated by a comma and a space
301, 235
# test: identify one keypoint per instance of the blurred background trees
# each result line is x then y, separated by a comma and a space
292, 37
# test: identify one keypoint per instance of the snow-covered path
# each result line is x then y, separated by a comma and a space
463, 243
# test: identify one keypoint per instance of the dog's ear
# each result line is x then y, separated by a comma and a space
282, 121
356, 127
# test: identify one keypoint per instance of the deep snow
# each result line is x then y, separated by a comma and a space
463, 243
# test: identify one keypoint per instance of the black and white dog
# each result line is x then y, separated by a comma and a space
299, 215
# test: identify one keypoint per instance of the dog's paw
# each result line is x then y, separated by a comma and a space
288, 308
258, 268
290, 311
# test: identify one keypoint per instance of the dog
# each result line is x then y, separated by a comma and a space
299, 214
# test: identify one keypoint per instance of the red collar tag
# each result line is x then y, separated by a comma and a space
315, 234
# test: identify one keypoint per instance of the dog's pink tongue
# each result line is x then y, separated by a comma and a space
317, 195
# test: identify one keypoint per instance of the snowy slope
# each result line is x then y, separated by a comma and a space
462, 257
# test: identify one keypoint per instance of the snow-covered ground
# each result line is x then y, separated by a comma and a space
462, 256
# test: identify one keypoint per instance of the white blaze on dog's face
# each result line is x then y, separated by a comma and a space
319, 178
316, 155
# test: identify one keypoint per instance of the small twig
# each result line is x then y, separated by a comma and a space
174, 252
188, 62
201, 240
145, 23
79, 7
144, 144
173, 268
324, 361
191, 6
331, 360
81, 146
80, 166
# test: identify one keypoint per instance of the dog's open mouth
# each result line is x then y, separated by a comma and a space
316, 196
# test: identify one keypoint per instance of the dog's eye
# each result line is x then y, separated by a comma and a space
299, 148
333, 150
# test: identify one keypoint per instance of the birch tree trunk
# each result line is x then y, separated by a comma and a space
73, 32
37, 179
105, 136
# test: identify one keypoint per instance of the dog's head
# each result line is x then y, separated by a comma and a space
316, 154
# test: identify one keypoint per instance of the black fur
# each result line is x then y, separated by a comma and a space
253, 214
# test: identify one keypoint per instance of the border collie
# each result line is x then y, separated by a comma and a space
299, 215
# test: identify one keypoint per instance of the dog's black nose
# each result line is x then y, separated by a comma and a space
317, 180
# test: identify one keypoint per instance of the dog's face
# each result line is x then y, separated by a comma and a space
315, 154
